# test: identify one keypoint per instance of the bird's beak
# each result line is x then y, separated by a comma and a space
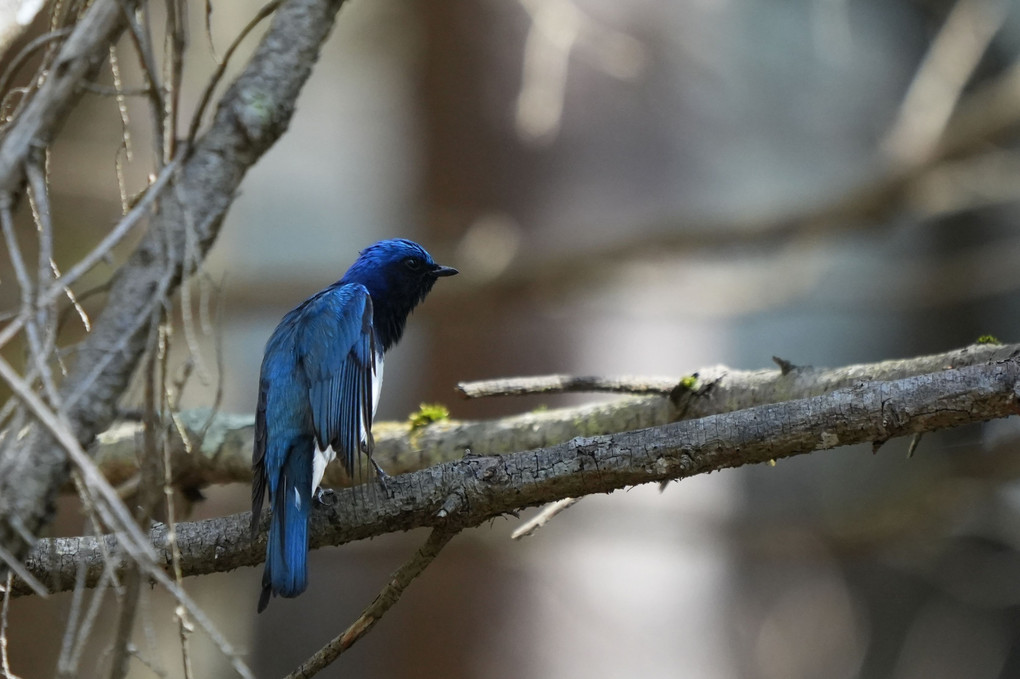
444, 271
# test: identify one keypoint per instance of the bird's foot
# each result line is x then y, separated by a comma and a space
324, 497
382, 478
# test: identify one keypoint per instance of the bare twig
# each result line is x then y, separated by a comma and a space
390, 594
528, 528
114, 91
190, 265
938, 83
113, 512
125, 154
5, 663
184, 625
37, 353
173, 52
129, 601
41, 332
142, 40
105, 246
562, 384
69, 661
28, 50
221, 66
208, 31
71, 629
17, 260
78, 59
146, 500
111, 239
19, 569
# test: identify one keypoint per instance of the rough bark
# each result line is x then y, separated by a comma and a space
219, 446
474, 489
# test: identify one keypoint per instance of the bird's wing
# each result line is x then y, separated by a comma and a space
336, 348
258, 458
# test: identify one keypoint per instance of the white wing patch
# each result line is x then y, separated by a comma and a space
319, 461
324, 457
377, 375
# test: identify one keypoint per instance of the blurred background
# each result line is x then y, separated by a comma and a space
642, 187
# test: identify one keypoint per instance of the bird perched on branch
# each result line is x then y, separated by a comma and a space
318, 391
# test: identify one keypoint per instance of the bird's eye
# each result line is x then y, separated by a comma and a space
412, 263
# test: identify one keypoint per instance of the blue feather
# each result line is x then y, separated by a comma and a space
286, 571
317, 393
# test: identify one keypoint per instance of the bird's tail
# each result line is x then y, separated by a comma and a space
286, 571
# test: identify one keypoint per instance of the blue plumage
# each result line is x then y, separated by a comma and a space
318, 392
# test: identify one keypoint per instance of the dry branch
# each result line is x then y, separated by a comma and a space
389, 595
475, 489
223, 455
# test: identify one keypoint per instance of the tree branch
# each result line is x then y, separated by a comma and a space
475, 489
223, 454
389, 595
252, 115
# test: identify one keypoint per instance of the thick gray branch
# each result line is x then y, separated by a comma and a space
252, 115
472, 490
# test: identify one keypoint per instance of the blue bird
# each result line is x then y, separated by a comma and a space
318, 391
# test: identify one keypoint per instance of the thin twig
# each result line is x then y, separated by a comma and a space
108, 91
17, 261
42, 313
125, 153
109, 241
19, 569
121, 645
175, 40
71, 628
184, 625
142, 40
528, 528
561, 384
114, 513
5, 663
78, 59
190, 265
953, 56
69, 667
117, 234
28, 309
221, 67
27, 51
915, 440
208, 31
390, 594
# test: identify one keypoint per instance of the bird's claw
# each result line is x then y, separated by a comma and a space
324, 496
382, 478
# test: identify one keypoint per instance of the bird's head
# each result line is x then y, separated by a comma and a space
398, 269
398, 274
